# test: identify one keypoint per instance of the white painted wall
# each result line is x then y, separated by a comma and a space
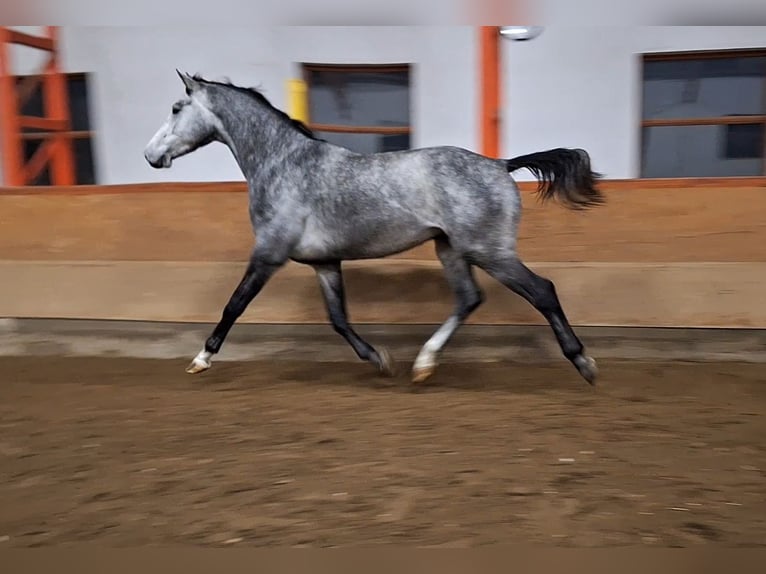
572, 86
134, 82
444, 84
581, 87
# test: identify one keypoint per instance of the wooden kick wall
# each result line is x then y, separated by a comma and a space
659, 253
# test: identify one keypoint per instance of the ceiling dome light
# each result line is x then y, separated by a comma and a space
520, 33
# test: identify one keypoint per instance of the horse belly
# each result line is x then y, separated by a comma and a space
359, 242
384, 240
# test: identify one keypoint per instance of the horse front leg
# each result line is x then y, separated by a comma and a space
330, 277
259, 270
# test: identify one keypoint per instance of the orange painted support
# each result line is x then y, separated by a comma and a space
56, 103
489, 118
55, 150
11, 151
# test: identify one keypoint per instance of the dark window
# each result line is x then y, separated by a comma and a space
81, 134
703, 114
365, 108
744, 141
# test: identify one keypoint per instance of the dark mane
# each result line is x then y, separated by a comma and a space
254, 93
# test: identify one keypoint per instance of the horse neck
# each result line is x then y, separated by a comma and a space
257, 137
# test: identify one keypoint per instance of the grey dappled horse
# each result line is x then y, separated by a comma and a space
319, 204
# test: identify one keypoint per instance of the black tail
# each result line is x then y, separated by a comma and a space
564, 174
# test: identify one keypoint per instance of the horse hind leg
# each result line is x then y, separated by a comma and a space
541, 293
468, 297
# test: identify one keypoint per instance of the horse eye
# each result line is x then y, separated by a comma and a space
177, 108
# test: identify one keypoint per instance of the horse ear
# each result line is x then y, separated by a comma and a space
189, 82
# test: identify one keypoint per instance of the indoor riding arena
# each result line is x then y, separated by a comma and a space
109, 289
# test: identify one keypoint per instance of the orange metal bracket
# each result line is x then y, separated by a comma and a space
489, 116
55, 150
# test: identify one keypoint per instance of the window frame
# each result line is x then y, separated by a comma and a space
308, 68
678, 56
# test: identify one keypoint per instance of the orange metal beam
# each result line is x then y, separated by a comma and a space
39, 160
35, 123
56, 101
12, 159
39, 42
72, 135
26, 88
56, 150
489, 117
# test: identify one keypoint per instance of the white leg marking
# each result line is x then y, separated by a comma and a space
425, 362
200, 363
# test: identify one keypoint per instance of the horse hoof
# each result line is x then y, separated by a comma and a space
420, 375
198, 366
587, 368
387, 364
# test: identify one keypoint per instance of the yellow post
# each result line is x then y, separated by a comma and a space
297, 98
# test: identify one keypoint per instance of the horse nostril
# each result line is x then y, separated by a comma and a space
156, 162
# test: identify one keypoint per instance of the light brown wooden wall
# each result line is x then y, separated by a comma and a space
205, 222
658, 253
